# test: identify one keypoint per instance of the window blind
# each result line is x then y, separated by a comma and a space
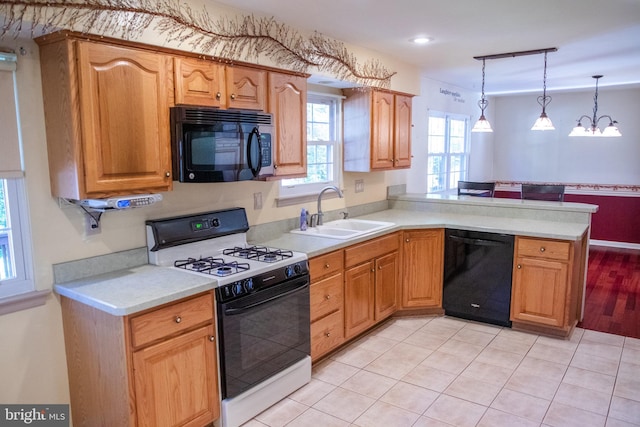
10, 153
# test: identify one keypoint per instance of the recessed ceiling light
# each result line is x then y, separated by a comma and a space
420, 40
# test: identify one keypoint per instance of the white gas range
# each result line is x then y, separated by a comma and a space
262, 305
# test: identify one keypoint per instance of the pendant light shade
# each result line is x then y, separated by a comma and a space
544, 122
482, 125
593, 129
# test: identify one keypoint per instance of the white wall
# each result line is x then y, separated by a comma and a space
438, 96
552, 156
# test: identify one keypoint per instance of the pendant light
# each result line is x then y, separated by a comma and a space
482, 125
544, 122
593, 129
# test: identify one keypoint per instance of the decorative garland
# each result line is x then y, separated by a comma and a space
243, 39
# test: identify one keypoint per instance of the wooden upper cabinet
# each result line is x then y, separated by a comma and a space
402, 129
377, 130
246, 88
199, 82
288, 104
107, 118
382, 131
209, 83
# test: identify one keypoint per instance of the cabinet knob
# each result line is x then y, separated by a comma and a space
519, 266
178, 319
167, 174
327, 297
326, 265
379, 267
212, 338
327, 334
233, 96
275, 166
406, 240
373, 270
218, 96
542, 249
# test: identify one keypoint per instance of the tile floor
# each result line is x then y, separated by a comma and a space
442, 371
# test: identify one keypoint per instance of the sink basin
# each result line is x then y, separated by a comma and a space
345, 228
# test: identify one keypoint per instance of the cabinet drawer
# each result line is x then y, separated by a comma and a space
326, 334
542, 248
325, 265
168, 320
357, 254
326, 296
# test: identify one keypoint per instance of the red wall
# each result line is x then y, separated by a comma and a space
617, 219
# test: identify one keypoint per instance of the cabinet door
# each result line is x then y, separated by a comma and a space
358, 299
382, 131
176, 381
246, 88
288, 104
386, 279
423, 261
539, 291
124, 108
402, 128
198, 82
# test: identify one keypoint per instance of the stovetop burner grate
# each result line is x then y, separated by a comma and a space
213, 266
259, 253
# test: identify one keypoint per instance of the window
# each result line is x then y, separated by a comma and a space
323, 148
448, 151
15, 261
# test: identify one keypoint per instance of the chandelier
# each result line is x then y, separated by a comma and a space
482, 125
544, 122
593, 129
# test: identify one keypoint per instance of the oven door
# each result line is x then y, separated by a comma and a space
262, 334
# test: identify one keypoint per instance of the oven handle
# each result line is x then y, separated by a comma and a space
240, 310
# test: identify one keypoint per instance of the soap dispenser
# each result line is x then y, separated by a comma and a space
303, 219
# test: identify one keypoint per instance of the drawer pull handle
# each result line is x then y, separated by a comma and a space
327, 297
327, 334
178, 319
212, 338
542, 249
326, 265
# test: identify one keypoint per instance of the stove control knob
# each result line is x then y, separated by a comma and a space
237, 289
289, 271
248, 284
297, 268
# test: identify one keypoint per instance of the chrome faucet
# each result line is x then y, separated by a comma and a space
320, 214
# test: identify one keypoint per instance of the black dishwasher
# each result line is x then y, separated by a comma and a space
477, 276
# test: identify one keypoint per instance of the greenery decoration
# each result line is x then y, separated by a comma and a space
244, 38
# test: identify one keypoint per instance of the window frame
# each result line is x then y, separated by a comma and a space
289, 190
447, 154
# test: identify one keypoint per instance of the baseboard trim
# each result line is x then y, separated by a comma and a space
611, 244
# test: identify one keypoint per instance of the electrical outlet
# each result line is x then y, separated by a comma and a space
359, 185
257, 200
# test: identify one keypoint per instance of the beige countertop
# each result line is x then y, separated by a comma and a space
410, 220
127, 291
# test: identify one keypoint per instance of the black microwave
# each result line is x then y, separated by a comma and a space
213, 145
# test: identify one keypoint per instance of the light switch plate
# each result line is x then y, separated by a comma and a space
359, 185
257, 200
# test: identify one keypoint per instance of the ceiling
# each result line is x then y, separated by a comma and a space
592, 37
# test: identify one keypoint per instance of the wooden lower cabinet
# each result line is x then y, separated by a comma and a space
327, 303
546, 293
370, 283
157, 368
422, 268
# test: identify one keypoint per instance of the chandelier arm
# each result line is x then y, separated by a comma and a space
608, 117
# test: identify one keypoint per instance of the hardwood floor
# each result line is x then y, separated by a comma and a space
612, 302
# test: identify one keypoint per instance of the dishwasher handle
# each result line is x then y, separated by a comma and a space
478, 242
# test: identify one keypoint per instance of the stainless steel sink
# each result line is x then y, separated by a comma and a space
345, 228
